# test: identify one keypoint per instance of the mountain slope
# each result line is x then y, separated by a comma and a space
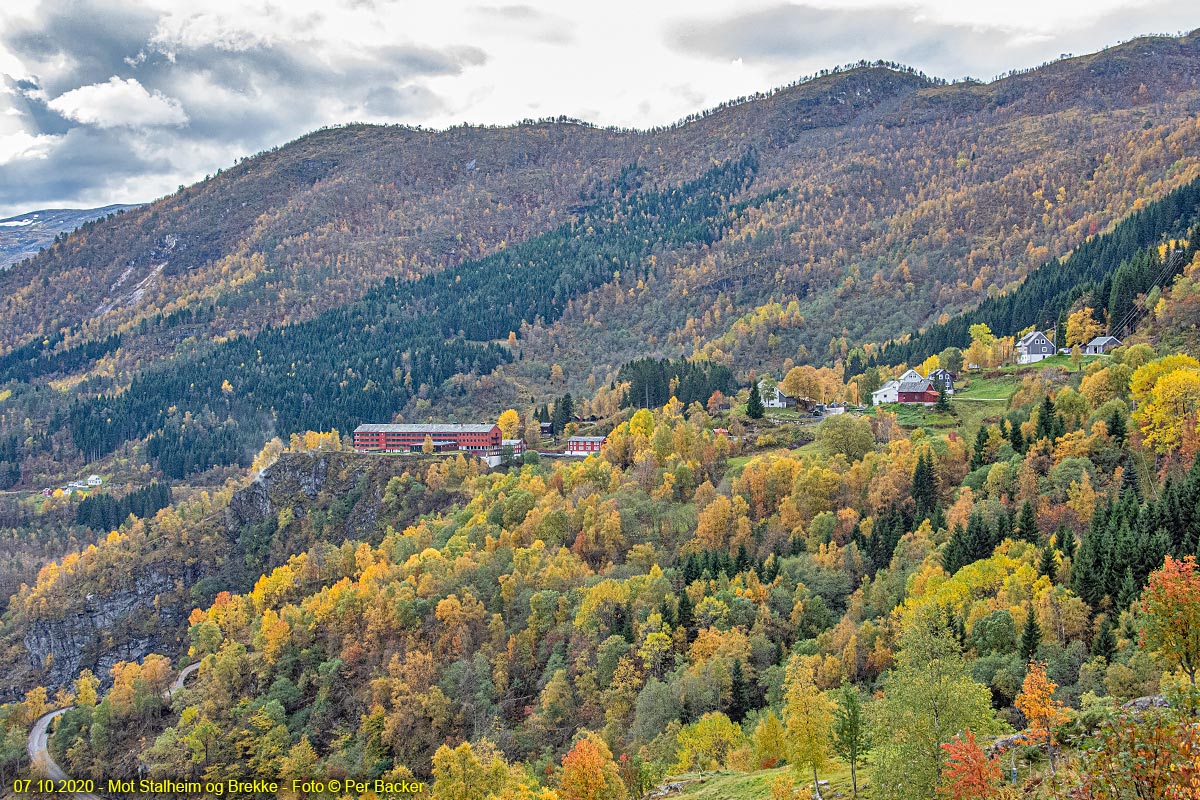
24, 235
882, 201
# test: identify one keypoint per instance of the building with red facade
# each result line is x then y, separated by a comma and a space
482, 438
584, 445
921, 392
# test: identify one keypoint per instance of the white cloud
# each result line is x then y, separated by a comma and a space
119, 103
20, 145
149, 94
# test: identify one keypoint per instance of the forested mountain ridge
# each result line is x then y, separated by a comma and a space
926, 207
316, 222
307, 225
882, 201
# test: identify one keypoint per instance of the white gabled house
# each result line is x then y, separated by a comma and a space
888, 393
774, 398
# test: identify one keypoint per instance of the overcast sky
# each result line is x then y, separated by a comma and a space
107, 101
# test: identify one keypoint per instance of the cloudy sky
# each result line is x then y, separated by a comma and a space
105, 101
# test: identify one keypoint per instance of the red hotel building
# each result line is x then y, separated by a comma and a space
584, 445
398, 438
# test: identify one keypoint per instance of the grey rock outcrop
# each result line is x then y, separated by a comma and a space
123, 625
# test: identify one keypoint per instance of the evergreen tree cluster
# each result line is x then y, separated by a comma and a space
1128, 539
36, 358
366, 360
558, 414
889, 528
715, 564
1112, 269
977, 540
653, 382
187, 449
10, 461
103, 512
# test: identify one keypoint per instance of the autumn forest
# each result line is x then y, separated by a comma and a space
772, 580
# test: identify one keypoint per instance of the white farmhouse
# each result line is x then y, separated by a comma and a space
888, 393
774, 398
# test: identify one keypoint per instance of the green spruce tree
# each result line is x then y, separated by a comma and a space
1027, 527
754, 406
1064, 539
1016, 437
1105, 644
1046, 565
1031, 637
943, 401
1117, 428
956, 553
686, 618
740, 700
979, 453
924, 488
1128, 591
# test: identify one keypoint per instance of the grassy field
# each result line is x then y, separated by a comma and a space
734, 466
729, 785
1064, 362
983, 399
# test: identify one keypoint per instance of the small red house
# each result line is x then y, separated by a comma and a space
920, 392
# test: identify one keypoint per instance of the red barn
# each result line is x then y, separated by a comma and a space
398, 438
921, 392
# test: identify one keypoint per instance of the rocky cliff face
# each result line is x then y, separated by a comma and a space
309, 498
126, 625
303, 500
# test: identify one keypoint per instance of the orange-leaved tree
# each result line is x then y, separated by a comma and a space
968, 773
1036, 701
589, 772
1171, 602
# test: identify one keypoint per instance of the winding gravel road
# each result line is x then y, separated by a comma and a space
39, 737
